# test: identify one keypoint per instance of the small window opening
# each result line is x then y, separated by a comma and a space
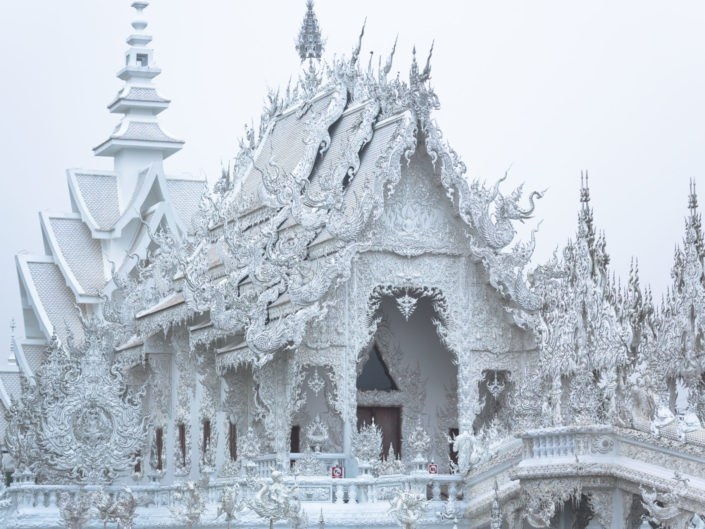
182, 443
206, 435
232, 440
160, 445
143, 59
295, 439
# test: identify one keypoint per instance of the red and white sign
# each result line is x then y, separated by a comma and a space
433, 468
336, 472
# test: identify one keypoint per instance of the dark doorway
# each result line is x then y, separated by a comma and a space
389, 421
295, 443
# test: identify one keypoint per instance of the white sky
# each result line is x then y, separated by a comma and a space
549, 88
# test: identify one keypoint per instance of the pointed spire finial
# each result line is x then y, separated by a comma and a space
692, 197
309, 45
139, 139
584, 188
138, 23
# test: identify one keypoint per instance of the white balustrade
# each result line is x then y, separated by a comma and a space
322, 489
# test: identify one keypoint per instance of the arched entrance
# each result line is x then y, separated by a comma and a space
406, 375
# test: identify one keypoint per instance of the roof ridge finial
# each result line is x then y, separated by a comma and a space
309, 44
390, 59
139, 24
426, 74
356, 51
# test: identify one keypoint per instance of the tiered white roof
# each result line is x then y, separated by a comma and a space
111, 215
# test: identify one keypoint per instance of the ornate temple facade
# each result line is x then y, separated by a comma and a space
344, 331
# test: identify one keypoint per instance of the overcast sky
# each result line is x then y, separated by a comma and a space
550, 88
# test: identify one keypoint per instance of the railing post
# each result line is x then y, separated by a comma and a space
452, 491
436, 490
352, 493
339, 493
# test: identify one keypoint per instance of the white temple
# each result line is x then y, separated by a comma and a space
344, 332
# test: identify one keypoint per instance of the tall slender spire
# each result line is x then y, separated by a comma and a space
692, 198
310, 45
138, 140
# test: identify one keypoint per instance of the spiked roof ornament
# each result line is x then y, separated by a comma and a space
309, 45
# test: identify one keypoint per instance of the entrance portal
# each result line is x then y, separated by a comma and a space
407, 377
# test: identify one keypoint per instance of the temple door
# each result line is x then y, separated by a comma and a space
389, 421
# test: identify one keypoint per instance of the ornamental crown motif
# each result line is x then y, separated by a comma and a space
79, 421
367, 443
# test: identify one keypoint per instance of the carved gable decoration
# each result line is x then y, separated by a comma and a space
84, 424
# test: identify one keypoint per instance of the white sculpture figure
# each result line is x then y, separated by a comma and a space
275, 501
407, 508
496, 514
663, 415
248, 449
470, 451
317, 433
688, 421
230, 503
540, 512
120, 509
188, 503
662, 508
75, 513
419, 442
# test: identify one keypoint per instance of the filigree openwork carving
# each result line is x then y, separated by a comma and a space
78, 421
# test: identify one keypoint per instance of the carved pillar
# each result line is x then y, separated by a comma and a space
621, 508
195, 430
221, 435
162, 402
272, 391
468, 391
603, 504
185, 414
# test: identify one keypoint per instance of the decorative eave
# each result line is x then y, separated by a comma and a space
136, 97
22, 262
5, 396
113, 145
167, 303
150, 176
98, 231
131, 72
21, 357
59, 258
